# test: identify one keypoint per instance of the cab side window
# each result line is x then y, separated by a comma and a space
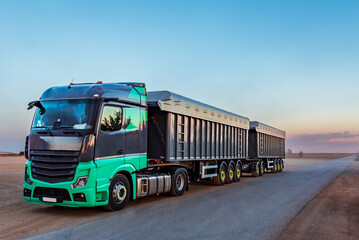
111, 119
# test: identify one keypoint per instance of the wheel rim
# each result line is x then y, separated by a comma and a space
231, 173
262, 169
119, 192
180, 182
257, 169
275, 166
238, 173
223, 175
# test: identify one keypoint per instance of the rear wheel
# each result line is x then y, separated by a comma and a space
220, 179
279, 165
119, 193
255, 169
237, 172
230, 173
274, 168
179, 182
261, 169
282, 162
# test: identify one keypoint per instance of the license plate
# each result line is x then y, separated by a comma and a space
49, 199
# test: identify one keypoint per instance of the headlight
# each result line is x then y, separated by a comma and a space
27, 176
81, 181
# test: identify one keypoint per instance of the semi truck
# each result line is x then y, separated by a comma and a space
103, 144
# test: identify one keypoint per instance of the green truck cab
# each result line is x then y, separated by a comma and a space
83, 137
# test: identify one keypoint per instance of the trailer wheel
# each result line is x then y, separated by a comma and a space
237, 172
119, 193
255, 169
282, 163
179, 182
220, 179
230, 172
274, 169
261, 169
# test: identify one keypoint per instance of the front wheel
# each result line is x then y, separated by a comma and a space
119, 193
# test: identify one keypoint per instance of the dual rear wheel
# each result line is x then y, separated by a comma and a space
278, 165
228, 173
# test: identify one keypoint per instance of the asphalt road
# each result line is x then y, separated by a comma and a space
258, 209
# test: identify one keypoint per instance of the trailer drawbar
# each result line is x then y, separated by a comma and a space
104, 144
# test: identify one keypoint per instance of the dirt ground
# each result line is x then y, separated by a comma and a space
20, 219
333, 214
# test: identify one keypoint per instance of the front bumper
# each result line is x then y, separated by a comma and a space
63, 194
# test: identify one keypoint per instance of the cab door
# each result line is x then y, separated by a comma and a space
111, 138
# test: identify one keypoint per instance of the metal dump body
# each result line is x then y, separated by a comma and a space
266, 141
182, 129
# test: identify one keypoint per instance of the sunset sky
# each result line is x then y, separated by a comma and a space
290, 64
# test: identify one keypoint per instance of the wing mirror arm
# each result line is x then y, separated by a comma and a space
36, 104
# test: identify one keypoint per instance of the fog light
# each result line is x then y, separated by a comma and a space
81, 181
27, 192
79, 197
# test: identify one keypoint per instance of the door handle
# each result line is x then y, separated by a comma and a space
120, 152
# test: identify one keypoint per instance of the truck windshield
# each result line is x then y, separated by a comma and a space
76, 114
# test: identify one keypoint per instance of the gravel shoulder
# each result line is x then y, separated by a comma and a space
333, 214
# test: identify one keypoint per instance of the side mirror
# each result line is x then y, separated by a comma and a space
36, 104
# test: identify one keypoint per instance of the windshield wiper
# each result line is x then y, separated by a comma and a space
69, 127
47, 129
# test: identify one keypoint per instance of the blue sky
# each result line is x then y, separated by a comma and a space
290, 64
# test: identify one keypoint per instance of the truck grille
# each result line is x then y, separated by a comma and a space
53, 166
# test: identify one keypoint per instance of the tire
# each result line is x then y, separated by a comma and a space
261, 169
230, 173
178, 182
274, 168
119, 193
280, 165
237, 172
282, 162
255, 169
220, 179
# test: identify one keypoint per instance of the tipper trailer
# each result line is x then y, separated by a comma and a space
104, 144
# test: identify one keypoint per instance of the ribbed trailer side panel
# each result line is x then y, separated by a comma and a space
266, 146
182, 129
266, 141
175, 137
190, 139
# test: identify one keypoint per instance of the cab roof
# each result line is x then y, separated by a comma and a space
122, 91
